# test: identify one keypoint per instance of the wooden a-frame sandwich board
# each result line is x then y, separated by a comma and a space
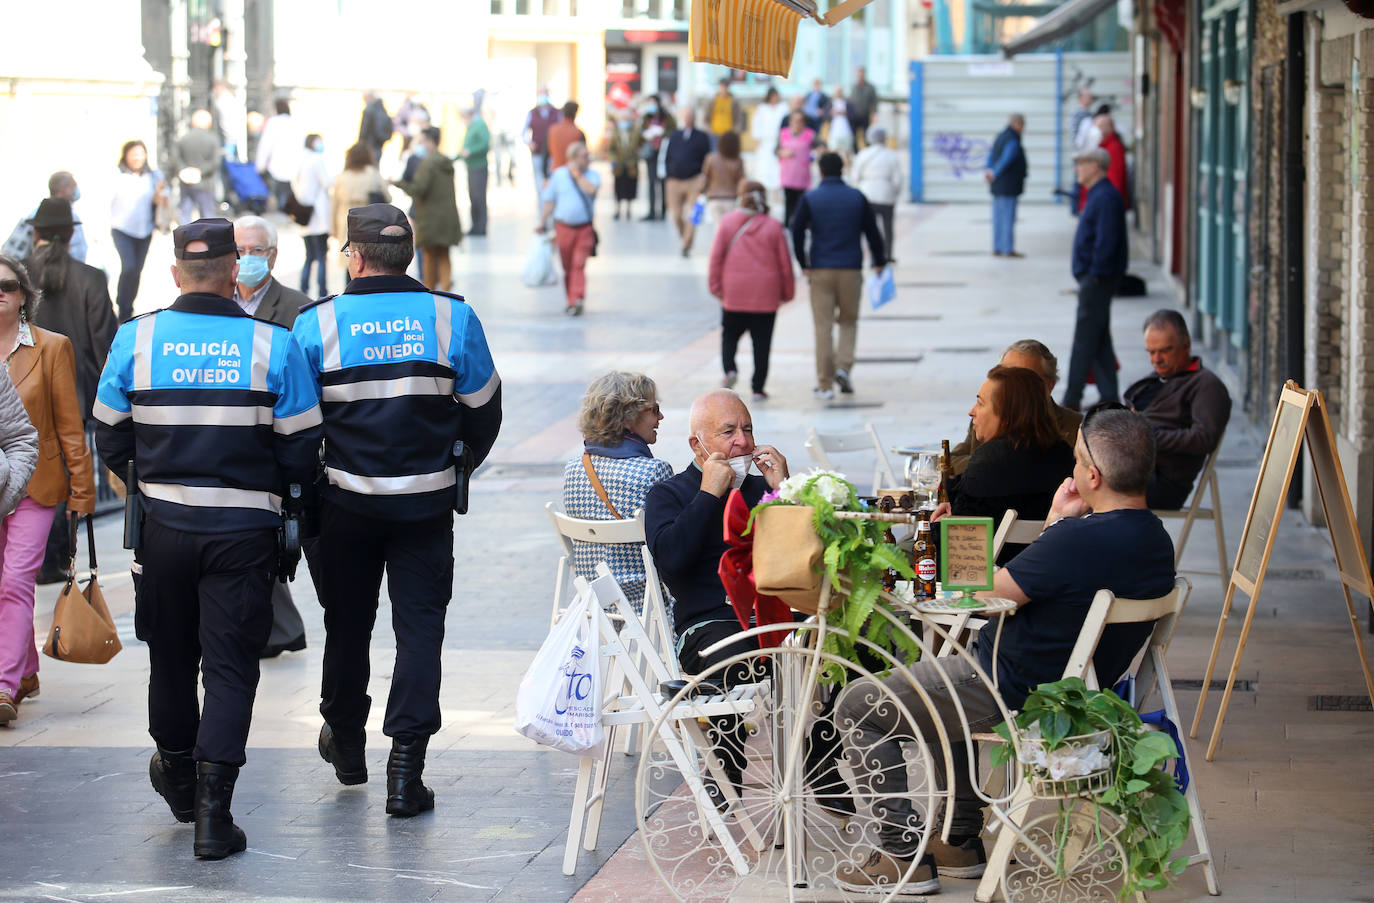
1301, 417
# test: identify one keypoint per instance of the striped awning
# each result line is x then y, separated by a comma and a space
756, 35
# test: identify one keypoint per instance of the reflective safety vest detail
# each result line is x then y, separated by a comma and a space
396, 371
217, 410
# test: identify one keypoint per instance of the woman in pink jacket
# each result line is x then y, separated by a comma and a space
751, 275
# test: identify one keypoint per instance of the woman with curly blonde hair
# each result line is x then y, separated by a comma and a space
619, 421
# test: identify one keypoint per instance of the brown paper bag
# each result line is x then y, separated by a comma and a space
82, 628
788, 556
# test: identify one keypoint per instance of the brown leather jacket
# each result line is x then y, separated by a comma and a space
45, 375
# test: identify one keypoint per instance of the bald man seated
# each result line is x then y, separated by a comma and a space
1035, 356
683, 525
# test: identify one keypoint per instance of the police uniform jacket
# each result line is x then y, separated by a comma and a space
217, 408
404, 373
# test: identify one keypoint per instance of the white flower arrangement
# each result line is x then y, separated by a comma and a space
828, 484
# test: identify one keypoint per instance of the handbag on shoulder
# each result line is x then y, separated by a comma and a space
82, 628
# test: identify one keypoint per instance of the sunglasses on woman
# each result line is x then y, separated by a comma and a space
9, 285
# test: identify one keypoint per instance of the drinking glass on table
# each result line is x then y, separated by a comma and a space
925, 476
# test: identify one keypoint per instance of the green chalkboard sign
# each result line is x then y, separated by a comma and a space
965, 554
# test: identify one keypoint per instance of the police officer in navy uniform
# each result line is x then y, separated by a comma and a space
412, 403
219, 414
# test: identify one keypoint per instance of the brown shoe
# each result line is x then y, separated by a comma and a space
27, 687
7, 710
882, 871
967, 860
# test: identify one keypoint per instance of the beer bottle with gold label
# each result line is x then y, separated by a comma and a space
924, 555
946, 470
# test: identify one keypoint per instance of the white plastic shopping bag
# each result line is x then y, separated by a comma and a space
882, 288
559, 700
539, 267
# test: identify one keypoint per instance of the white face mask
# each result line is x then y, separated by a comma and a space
740, 465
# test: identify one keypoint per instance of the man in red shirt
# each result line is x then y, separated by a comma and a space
1116, 150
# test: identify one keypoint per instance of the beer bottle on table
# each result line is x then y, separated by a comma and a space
923, 554
885, 505
946, 470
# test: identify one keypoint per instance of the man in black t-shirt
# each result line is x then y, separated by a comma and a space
1100, 535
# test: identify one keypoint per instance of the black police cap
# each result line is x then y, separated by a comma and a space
217, 233
365, 224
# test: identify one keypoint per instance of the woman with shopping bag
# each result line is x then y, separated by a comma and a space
42, 366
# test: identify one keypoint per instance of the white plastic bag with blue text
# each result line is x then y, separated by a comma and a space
559, 700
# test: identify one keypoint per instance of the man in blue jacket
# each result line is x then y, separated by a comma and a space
836, 215
1099, 261
1006, 178
684, 154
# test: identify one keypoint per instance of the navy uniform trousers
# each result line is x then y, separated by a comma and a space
204, 606
347, 563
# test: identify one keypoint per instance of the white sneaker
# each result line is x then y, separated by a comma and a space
842, 380
729, 381
823, 394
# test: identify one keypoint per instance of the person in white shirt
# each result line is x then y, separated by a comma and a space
280, 148
765, 127
311, 187
877, 172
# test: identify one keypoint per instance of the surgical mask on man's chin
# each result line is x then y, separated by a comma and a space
76, 195
740, 465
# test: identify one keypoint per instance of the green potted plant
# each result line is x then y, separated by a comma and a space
800, 541
1076, 742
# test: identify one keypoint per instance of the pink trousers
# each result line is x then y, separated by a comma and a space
23, 534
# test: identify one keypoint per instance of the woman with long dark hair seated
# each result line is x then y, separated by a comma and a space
1021, 461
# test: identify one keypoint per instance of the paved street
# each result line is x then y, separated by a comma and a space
1288, 802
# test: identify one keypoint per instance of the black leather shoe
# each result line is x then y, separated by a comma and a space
348, 754
275, 649
216, 834
174, 778
406, 794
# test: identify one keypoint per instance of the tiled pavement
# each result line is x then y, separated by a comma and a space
1288, 800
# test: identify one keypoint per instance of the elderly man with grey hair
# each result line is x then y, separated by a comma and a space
260, 295
877, 172
568, 199
1123, 547
1033, 355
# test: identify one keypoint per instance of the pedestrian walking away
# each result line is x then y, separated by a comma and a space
862, 104
683, 159
358, 185
751, 275
198, 155
259, 294
563, 134
42, 367
1100, 253
139, 193
1006, 177
375, 128
76, 304
722, 175
311, 187
218, 414
835, 215
476, 144
401, 438
623, 147
280, 148
765, 128
568, 203
437, 225
877, 172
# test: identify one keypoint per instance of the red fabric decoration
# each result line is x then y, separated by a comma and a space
1172, 18
737, 576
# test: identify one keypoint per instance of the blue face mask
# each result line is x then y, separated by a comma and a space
421, 150
623, 125
252, 269
543, 100
76, 195
651, 109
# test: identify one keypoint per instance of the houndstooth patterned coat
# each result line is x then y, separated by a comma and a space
627, 482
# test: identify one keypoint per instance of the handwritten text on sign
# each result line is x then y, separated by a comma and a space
967, 546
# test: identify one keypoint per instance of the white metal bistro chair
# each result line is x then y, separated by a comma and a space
1011, 529
614, 532
822, 445
621, 654
1194, 511
1152, 672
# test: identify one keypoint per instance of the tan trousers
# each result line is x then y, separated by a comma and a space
436, 267
835, 296
680, 194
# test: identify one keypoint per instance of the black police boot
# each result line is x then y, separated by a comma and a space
406, 794
216, 834
174, 777
346, 752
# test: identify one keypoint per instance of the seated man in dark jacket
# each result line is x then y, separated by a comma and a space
1187, 406
683, 525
